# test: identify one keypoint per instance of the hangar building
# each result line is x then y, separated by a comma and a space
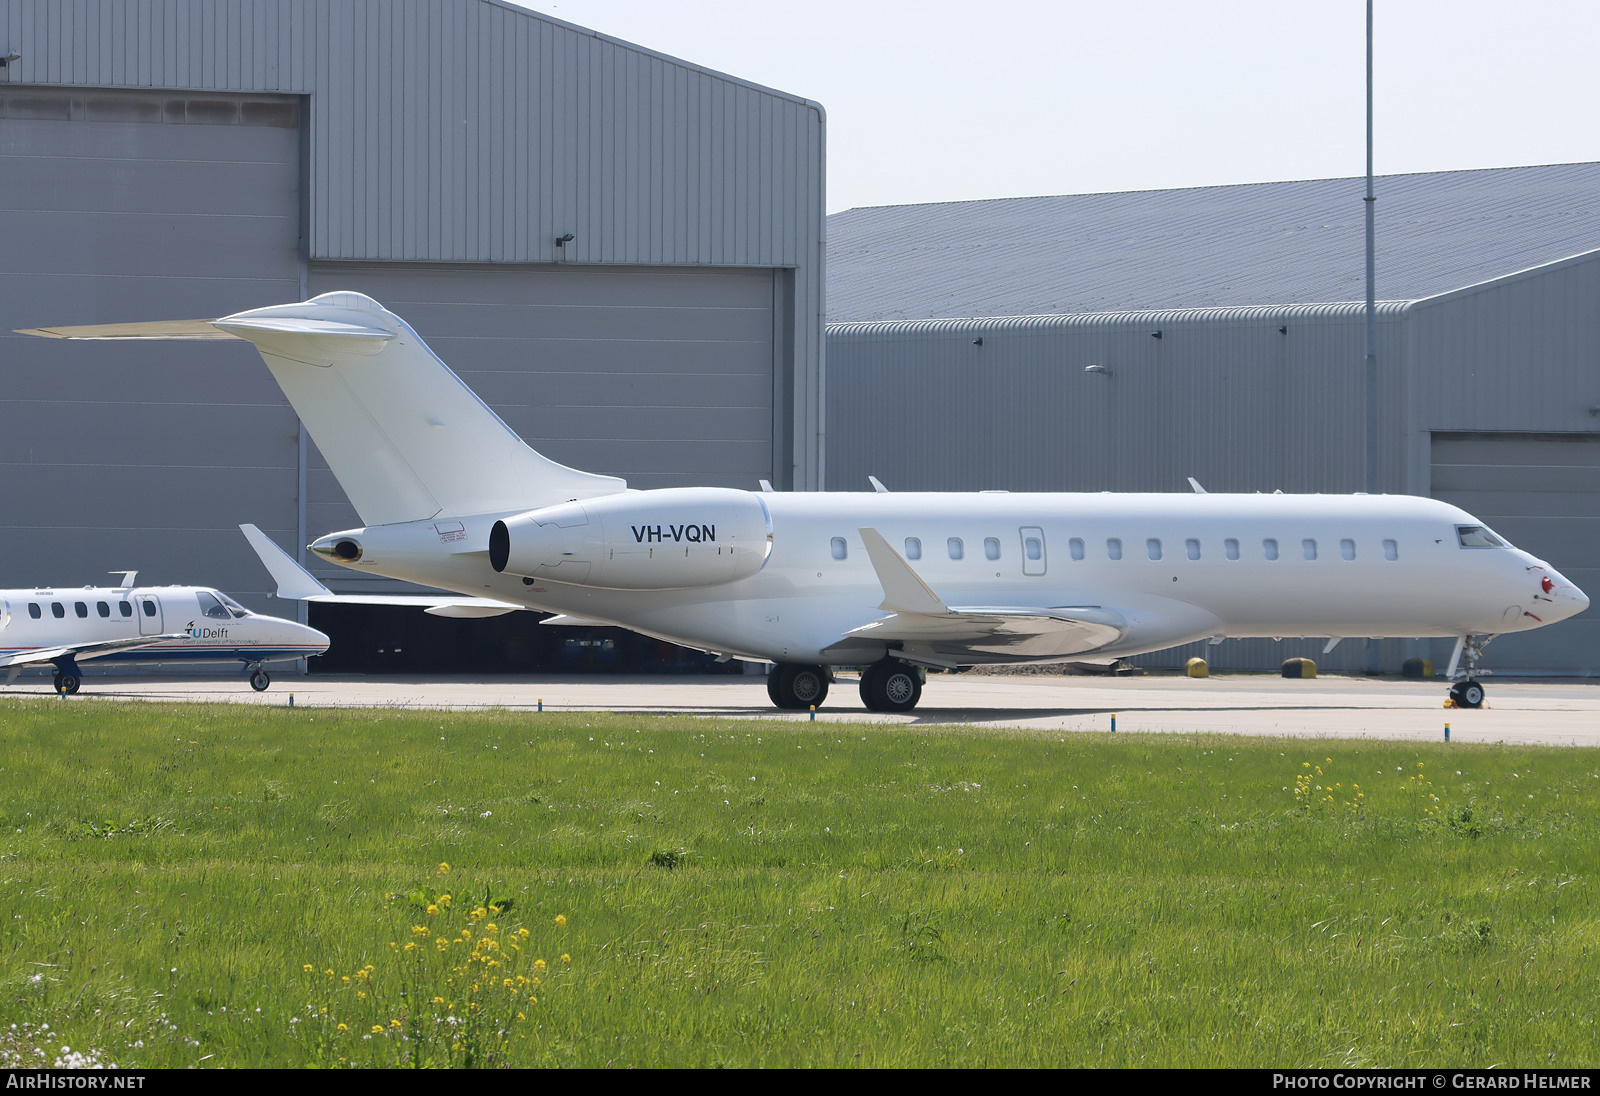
1129, 341
620, 251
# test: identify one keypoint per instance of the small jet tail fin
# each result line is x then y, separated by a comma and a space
406, 439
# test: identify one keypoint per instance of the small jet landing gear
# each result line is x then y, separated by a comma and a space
795, 688
891, 686
1466, 690
259, 679
67, 677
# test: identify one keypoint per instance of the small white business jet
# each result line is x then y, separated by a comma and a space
897, 583
143, 625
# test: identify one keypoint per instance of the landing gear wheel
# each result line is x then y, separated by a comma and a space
67, 684
891, 686
1467, 694
795, 688
260, 680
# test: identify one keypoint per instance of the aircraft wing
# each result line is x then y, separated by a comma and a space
295, 583
82, 652
930, 631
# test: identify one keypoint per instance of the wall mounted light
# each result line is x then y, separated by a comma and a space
977, 342
563, 241
10, 56
1097, 369
1155, 334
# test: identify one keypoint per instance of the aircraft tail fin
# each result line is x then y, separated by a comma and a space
405, 438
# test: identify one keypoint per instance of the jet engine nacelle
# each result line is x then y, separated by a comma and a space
638, 540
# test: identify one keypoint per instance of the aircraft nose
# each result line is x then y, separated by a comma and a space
312, 637
1561, 594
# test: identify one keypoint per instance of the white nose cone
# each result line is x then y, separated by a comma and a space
1561, 597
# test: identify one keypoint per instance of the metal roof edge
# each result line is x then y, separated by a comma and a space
981, 325
658, 55
1507, 279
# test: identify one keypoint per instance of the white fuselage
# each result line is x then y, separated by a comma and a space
1176, 568
214, 630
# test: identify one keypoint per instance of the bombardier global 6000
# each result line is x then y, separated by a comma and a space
451, 497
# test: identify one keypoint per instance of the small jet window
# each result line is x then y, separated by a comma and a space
913, 547
1033, 548
1391, 550
102, 608
991, 548
214, 609
1230, 548
1074, 546
1308, 548
1347, 548
124, 608
1152, 547
1192, 547
1476, 536
1114, 548
149, 607
837, 546
34, 611
81, 609
57, 610
1269, 548
955, 547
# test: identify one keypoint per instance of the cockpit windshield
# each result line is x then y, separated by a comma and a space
1478, 536
233, 606
210, 606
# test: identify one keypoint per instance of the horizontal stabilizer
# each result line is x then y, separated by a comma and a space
565, 620
155, 329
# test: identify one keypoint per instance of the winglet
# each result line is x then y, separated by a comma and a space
903, 591
1196, 485
295, 583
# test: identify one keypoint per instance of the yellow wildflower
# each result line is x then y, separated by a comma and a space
565, 958
306, 968
561, 920
444, 868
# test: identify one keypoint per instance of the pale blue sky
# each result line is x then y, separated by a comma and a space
939, 101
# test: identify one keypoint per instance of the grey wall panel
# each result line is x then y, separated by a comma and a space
1543, 493
475, 131
143, 455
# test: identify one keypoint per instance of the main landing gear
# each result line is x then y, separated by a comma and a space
891, 686
1466, 690
66, 683
796, 688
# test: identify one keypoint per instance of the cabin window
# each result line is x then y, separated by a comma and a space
1192, 548
1347, 548
57, 610
34, 611
81, 609
1074, 546
1152, 547
1114, 548
913, 547
991, 548
149, 607
1391, 550
837, 546
1230, 548
102, 608
1308, 548
213, 608
1033, 548
1269, 548
125, 608
955, 548
1477, 536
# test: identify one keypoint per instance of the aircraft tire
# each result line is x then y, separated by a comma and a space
794, 687
260, 680
67, 684
890, 686
1467, 694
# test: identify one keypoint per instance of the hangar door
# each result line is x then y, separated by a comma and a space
143, 205
1542, 492
662, 375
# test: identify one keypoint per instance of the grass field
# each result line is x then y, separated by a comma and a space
240, 886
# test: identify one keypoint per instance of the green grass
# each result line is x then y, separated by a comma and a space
766, 893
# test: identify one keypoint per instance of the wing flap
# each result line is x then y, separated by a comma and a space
1023, 634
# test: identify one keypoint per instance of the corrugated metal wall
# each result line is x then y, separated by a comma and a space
421, 113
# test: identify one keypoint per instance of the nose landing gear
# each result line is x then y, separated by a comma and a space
1467, 690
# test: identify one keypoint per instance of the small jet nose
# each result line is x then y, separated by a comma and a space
1563, 595
311, 636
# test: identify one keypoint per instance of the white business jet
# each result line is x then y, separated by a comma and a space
897, 583
143, 626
